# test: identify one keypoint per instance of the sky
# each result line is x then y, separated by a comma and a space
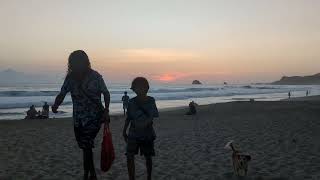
170, 41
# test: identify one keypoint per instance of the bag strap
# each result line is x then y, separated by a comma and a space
106, 130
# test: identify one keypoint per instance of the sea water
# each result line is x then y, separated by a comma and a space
15, 100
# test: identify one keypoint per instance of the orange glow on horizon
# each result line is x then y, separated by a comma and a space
169, 77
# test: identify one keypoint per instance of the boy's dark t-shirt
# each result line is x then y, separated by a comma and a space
144, 110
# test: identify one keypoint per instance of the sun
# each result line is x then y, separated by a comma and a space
169, 77
166, 78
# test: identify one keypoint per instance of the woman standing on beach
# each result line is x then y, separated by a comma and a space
86, 87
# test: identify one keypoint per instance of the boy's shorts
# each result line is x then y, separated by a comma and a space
146, 147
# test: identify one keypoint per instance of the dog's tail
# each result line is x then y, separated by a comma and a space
229, 145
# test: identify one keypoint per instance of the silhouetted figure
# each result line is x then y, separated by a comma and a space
289, 94
307, 93
45, 111
31, 113
142, 110
125, 101
86, 87
192, 108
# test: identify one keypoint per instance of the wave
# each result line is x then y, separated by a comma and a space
54, 93
182, 90
117, 99
259, 87
24, 99
16, 93
10, 113
27, 93
26, 104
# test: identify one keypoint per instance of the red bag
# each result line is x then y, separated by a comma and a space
107, 150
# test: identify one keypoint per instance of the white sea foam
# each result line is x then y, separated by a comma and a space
19, 98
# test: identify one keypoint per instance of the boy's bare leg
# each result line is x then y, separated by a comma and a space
131, 168
149, 166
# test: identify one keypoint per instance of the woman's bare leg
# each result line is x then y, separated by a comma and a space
85, 165
149, 166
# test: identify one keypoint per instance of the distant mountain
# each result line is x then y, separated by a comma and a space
10, 76
299, 80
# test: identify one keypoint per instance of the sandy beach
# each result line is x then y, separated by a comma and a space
282, 137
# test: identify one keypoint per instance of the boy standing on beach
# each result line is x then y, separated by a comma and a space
141, 111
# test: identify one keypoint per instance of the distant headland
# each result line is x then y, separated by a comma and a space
299, 80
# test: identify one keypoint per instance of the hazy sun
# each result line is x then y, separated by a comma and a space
169, 77
166, 78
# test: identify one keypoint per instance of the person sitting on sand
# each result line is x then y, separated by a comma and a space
39, 114
142, 110
45, 110
86, 87
31, 113
125, 101
192, 108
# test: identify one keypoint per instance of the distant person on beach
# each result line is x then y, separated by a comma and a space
289, 94
125, 101
45, 110
307, 93
31, 113
142, 110
86, 87
192, 108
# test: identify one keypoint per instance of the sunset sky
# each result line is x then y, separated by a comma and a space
164, 40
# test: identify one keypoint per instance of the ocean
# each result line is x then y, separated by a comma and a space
15, 100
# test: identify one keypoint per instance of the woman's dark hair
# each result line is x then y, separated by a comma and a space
139, 82
78, 65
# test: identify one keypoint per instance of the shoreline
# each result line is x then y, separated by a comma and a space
119, 114
305, 98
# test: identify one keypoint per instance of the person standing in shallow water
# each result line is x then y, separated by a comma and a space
125, 102
86, 87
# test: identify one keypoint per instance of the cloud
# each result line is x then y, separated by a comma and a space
158, 54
